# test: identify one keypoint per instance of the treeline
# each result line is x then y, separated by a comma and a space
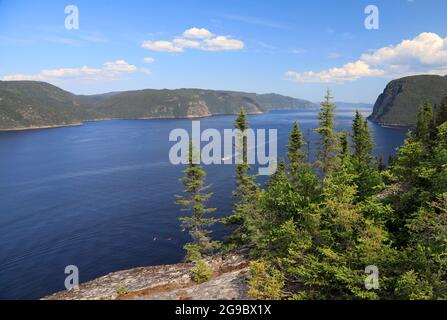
343, 227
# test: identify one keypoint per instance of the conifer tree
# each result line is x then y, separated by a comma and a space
280, 171
301, 174
328, 144
320, 247
367, 178
294, 152
441, 116
381, 163
344, 144
243, 219
296, 143
361, 138
193, 201
425, 123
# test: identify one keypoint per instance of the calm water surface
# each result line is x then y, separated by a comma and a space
101, 196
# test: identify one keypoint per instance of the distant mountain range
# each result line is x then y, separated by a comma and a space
399, 102
32, 104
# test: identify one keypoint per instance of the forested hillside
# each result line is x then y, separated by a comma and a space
27, 104
399, 102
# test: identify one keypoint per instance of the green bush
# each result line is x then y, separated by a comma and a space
201, 272
192, 252
265, 282
122, 290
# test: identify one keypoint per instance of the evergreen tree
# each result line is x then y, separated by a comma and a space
381, 163
193, 201
318, 247
425, 123
441, 116
294, 153
280, 171
296, 143
244, 217
330, 263
368, 179
301, 174
361, 138
344, 144
328, 144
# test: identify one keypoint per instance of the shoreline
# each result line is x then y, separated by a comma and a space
78, 124
390, 125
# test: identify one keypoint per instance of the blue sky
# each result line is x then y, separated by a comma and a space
297, 48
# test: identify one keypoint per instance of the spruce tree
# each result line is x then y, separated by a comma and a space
368, 178
381, 163
280, 171
441, 116
328, 144
425, 123
246, 194
301, 174
361, 138
344, 144
193, 201
294, 151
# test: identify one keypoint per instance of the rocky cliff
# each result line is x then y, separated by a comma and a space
398, 104
169, 282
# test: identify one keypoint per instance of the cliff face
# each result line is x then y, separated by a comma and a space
168, 282
399, 102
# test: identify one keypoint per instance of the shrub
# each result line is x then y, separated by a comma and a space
192, 252
201, 272
122, 290
265, 282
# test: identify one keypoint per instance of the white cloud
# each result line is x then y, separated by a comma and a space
109, 71
69, 72
195, 38
161, 46
426, 53
348, 72
21, 77
197, 33
222, 43
119, 66
185, 43
427, 49
148, 60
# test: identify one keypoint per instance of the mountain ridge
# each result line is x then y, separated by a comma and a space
34, 104
398, 104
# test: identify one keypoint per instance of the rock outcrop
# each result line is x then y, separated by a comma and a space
169, 282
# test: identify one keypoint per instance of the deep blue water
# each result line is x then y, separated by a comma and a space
101, 196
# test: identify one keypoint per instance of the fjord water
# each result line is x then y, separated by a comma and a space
101, 196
